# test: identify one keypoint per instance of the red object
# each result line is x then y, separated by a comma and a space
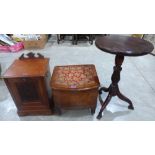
4, 49
14, 48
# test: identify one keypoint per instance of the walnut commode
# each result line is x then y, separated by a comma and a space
75, 86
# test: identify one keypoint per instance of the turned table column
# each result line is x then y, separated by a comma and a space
113, 89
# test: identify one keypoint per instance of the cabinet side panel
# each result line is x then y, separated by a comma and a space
13, 93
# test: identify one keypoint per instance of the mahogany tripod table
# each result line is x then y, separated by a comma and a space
120, 46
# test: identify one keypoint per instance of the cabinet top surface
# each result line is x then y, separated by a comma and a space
74, 77
27, 68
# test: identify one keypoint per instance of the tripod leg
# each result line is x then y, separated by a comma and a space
104, 106
103, 89
124, 98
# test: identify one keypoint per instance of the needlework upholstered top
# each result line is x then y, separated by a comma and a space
75, 77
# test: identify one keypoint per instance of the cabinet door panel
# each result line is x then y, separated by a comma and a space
26, 91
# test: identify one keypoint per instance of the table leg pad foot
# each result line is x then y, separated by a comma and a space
131, 107
99, 116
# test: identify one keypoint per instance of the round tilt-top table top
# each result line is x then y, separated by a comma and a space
124, 45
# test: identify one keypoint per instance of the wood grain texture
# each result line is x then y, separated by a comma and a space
75, 86
27, 82
27, 68
125, 45
120, 46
